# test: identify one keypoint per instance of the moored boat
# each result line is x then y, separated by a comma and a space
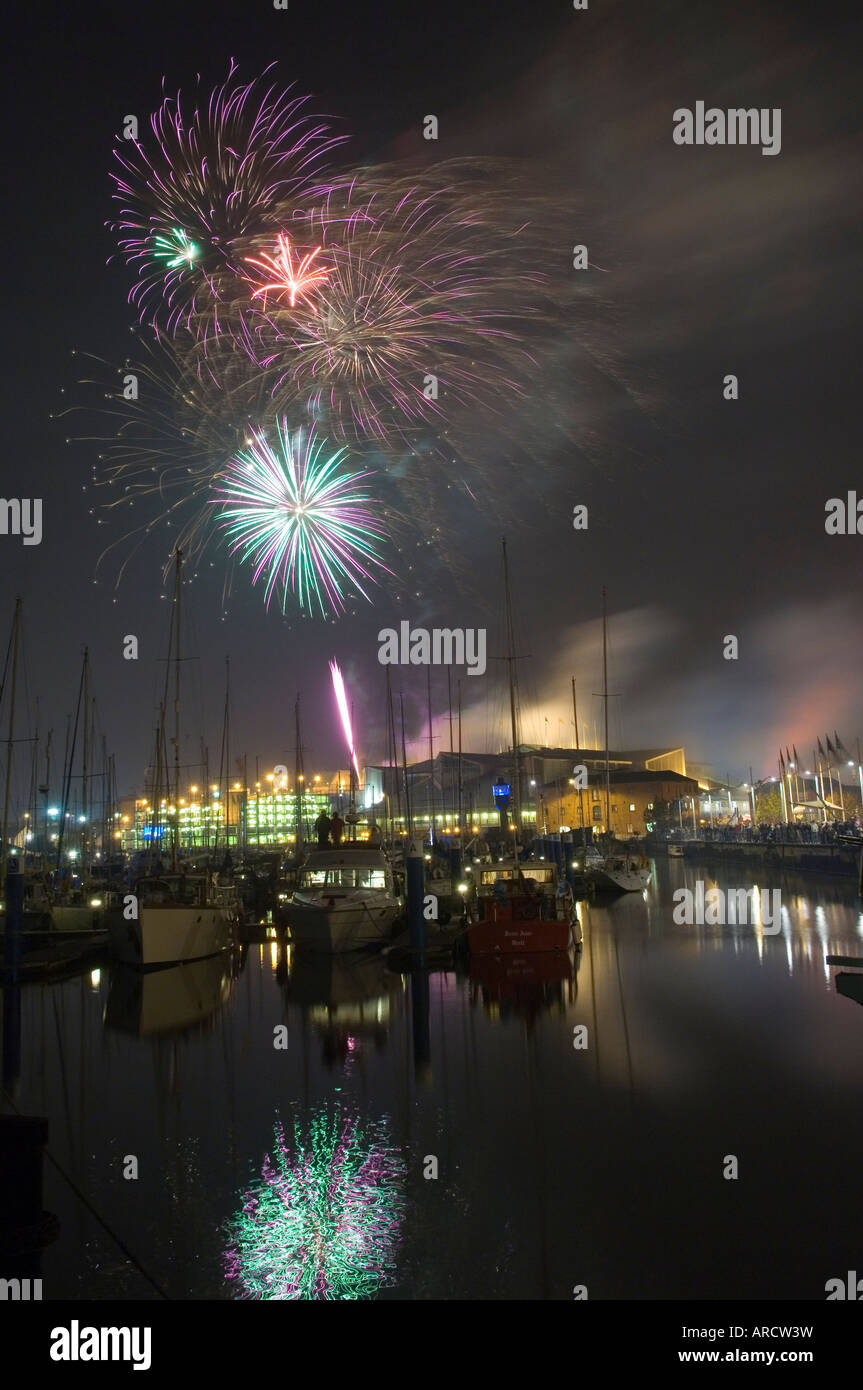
345, 900
620, 871
513, 913
178, 917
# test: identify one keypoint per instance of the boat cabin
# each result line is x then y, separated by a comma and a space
365, 869
172, 890
513, 877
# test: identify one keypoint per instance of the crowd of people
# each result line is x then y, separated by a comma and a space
778, 832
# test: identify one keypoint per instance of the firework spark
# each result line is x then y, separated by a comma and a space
295, 281
295, 513
321, 1222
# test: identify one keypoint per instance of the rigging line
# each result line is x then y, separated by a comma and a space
82, 1196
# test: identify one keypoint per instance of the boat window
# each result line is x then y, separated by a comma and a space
495, 875
354, 877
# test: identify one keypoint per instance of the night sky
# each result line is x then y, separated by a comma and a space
706, 516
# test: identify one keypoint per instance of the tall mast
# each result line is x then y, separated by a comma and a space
67, 771
450, 800
392, 743
245, 804
45, 792
605, 701
431, 760
105, 796
580, 790
461, 835
177, 582
513, 708
85, 810
408, 811
299, 784
227, 741
9, 741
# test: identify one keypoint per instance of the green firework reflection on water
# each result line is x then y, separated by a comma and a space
322, 1221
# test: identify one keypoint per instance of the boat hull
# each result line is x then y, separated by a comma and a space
168, 935
77, 918
501, 935
619, 880
334, 929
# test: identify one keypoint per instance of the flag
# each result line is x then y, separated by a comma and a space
821, 749
793, 749
839, 744
787, 754
830, 748
781, 763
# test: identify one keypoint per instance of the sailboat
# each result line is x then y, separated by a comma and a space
179, 915
520, 905
615, 869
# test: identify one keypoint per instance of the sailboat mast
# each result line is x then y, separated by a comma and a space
581, 789
9, 742
461, 835
605, 701
513, 709
408, 810
299, 784
176, 837
431, 761
227, 742
86, 766
394, 760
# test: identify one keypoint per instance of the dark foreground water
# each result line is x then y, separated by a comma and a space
556, 1166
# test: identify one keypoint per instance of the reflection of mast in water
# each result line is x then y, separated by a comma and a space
322, 1222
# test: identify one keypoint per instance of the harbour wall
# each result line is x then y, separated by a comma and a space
802, 858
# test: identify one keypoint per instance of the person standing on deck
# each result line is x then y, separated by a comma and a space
322, 830
337, 826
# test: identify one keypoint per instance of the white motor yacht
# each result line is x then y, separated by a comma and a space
345, 899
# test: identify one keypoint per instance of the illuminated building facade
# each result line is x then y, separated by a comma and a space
254, 817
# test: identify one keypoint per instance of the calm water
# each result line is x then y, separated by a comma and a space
556, 1166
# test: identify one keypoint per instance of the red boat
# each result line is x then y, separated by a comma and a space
515, 924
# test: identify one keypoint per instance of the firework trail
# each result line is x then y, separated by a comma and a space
322, 1221
298, 517
344, 713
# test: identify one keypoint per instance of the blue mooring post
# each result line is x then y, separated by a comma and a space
415, 893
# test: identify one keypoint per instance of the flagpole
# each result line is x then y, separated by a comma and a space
839, 772
830, 776
782, 789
